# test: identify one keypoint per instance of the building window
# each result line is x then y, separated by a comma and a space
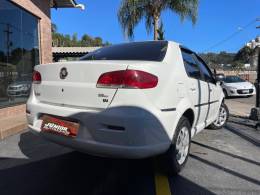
19, 53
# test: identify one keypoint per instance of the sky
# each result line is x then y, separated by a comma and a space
222, 25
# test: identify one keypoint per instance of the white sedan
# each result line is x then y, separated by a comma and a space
235, 86
132, 100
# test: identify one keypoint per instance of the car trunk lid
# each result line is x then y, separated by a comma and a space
74, 83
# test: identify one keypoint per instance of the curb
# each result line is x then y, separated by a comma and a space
4, 133
239, 116
246, 136
248, 122
12, 125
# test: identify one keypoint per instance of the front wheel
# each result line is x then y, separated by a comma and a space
221, 118
176, 157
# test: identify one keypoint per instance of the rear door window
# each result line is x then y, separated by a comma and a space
190, 65
207, 75
142, 51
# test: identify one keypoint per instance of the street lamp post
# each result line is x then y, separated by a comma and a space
255, 44
258, 77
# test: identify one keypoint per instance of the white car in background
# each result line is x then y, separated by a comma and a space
133, 100
235, 86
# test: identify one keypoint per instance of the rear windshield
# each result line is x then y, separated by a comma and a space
143, 51
233, 79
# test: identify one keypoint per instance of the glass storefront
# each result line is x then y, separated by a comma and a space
19, 53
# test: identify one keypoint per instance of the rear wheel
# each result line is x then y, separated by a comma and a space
175, 158
221, 118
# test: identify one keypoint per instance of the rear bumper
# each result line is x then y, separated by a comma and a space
105, 150
121, 132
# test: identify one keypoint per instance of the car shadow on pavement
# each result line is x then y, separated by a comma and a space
78, 173
181, 185
244, 135
227, 153
227, 170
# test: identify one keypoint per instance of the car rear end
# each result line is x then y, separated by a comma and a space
103, 107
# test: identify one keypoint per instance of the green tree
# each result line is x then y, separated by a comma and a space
74, 40
131, 12
86, 40
238, 65
61, 40
66, 41
98, 41
244, 54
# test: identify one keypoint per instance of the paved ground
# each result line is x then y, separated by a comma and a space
241, 106
220, 163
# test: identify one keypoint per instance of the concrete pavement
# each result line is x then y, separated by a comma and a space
240, 106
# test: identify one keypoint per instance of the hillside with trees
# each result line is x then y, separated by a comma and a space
65, 40
235, 60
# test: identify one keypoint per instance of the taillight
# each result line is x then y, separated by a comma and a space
127, 79
36, 78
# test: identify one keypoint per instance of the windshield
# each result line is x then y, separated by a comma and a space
233, 79
143, 51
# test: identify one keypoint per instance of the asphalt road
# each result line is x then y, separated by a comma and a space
220, 163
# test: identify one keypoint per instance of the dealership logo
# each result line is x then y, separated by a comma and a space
56, 128
63, 73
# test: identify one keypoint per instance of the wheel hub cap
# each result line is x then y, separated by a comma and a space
222, 117
182, 145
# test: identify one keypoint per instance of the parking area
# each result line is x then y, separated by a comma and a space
220, 163
240, 106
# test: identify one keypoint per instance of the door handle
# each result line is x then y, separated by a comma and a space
210, 90
193, 89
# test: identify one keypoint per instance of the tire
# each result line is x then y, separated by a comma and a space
217, 124
171, 162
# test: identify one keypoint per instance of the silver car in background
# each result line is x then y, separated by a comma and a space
235, 86
19, 88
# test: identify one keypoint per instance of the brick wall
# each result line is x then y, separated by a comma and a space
12, 111
41, 9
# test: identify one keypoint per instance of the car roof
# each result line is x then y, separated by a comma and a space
186, 48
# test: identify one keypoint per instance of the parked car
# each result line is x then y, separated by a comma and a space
235, 86
133, 100
19, 88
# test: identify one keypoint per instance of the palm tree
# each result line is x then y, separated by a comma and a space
161, 32
131, 12
54, 28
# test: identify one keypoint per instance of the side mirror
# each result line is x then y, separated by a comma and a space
214, 71
219, 77
220, 82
